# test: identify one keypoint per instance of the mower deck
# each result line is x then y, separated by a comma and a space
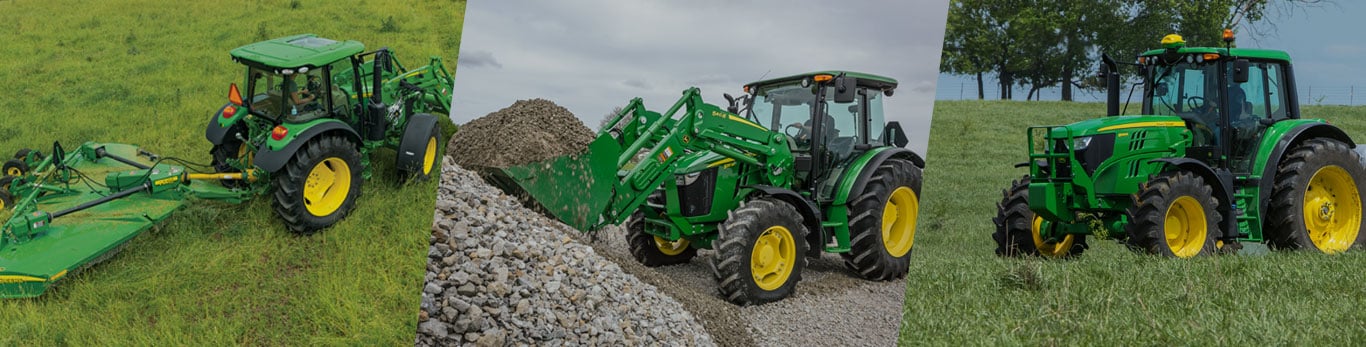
35, 257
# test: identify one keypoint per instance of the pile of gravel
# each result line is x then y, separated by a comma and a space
500, 274
527, 131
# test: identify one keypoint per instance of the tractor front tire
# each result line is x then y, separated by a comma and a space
1018, 229
319, 185
882, 222
1176, 215
426, 155
760, 252
1316, 200
653, 251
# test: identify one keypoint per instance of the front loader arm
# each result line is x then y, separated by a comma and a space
701, 127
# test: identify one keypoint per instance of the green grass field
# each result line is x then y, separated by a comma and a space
960, 293
151, 73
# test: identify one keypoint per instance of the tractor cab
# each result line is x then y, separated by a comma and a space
829, 117
1227, 96
298, 78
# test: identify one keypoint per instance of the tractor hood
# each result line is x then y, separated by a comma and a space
1114, 124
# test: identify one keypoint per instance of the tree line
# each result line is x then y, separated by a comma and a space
1038, 44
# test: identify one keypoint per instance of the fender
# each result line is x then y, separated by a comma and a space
1293, 137
1220, 180
872, 159
272, 160
811, 215
218, 127
414, 143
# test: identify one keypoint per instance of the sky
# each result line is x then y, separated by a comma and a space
1325, 45
591, 56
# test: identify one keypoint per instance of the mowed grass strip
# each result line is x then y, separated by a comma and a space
960, 293
151, 73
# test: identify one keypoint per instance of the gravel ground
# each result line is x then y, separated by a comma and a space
831, 305
499, 274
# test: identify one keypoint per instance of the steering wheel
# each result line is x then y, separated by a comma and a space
1196, 103
801, 132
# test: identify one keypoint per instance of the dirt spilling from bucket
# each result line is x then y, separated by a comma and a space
528, 131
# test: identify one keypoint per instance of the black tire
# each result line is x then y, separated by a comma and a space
425, 160
235, 149
653, 251
328, 152
1016, 229
735, 244
14, 167
23, 154
870, 254
1180, 196
1336, 171
5, 182
6, 200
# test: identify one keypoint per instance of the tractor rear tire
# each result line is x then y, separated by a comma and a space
231, 148
427, 150
882, 221
320, 185
763, 234
14, 167
1018, 228
1175, 215
652, 250
1316, 200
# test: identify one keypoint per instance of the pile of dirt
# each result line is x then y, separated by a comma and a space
527, 131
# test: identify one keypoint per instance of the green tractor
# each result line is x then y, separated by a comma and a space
317, 110
1220, 156
760, 182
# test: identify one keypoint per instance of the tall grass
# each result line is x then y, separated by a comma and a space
151, 73
960, 293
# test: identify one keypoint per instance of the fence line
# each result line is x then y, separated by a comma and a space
1309, 95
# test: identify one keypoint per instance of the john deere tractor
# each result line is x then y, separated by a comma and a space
1220, 156
317, 109
796, 166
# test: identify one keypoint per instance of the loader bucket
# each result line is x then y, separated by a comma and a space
575, 189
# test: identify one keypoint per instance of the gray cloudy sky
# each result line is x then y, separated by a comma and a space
593, 55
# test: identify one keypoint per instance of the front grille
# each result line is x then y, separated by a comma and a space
696, 197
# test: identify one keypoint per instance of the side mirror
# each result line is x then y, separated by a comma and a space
846, 90
733, 107
1240, 71
892, 133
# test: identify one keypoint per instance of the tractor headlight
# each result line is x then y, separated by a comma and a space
1080, 143
688, 178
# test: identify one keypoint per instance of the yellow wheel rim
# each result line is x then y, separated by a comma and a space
1332, 209
14, 171
773, 257
1049, 249
1185, 227
429, 158
671, 248
327, 186
898, 221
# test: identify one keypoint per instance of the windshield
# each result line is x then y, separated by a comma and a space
1184, 89
277, 95
787, 108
